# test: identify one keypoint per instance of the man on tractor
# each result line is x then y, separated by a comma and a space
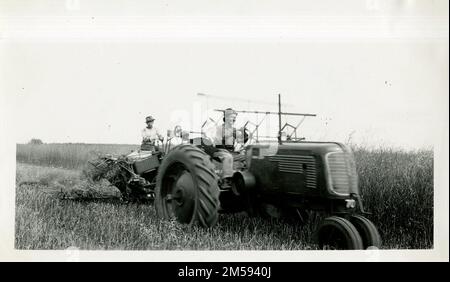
150, 135
224, 139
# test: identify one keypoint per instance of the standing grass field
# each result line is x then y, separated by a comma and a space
70, 156
396, 186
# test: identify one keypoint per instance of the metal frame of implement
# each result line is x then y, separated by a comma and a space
279, 113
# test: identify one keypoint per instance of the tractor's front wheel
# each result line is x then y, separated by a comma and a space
338, 233
367, 230
186, 187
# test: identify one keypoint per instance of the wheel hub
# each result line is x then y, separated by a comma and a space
183, 197
178, 195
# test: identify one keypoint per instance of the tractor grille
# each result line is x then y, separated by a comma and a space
342, 172
298, 164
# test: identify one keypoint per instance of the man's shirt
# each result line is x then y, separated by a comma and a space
151, 134
225, 135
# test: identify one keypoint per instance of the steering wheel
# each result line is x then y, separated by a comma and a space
177, 128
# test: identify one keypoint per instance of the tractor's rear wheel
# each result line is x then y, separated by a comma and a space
367, 230
186, 187
337, 233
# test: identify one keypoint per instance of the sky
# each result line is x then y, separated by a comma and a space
79, 71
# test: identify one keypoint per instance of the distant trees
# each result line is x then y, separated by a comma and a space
36, 141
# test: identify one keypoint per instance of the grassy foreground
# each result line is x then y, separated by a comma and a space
45, 220
57, 208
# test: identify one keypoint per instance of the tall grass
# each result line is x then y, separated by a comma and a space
396, 186
72, 156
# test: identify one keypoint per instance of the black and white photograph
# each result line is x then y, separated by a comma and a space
272, 130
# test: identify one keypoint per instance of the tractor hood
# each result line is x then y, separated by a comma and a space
308, 165
298, 148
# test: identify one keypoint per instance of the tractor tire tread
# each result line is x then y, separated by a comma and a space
206, 211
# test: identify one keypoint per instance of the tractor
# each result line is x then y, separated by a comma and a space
289, 176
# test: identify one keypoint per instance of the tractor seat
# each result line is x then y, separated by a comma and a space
140, 155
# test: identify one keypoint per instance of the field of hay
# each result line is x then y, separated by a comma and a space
70, 156
57, 208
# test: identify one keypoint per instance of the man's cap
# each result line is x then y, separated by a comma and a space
149, 118
230, 112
